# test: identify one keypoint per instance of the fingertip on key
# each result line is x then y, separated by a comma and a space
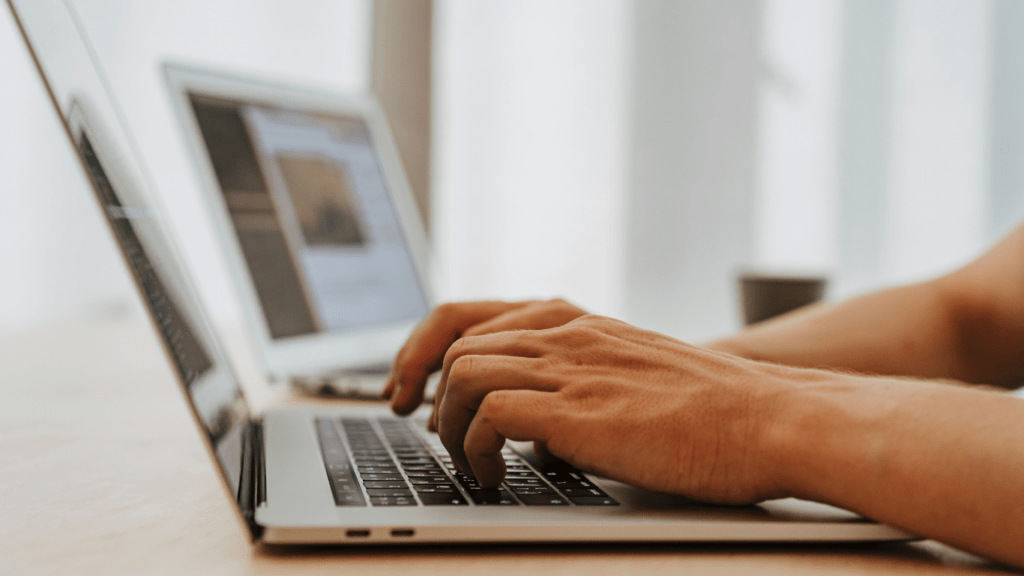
491, 477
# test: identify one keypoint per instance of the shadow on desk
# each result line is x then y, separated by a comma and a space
702, 558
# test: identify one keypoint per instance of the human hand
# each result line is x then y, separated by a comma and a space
424, 352
618, 401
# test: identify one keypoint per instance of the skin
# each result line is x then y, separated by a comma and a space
792, 407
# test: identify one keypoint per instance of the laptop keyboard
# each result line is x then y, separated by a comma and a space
384, 462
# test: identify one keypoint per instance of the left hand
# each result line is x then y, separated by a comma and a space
618, 401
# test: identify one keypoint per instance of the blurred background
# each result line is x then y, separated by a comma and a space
632, 156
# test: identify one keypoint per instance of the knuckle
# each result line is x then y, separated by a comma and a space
461, 369
583, 329
492, 406
589, 320
446, 309
457, 350
560, 304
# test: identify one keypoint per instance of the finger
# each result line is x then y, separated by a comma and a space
472, 379
519, 343
426, 346
389, 388
529, 316
540, 449
506, 414
534, 316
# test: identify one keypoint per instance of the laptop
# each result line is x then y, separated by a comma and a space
316, 221
356, 475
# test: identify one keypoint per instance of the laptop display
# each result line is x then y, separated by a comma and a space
315, 219
313, 215
215, 396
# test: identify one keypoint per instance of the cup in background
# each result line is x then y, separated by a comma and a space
766, 295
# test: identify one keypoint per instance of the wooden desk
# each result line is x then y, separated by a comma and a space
102, 472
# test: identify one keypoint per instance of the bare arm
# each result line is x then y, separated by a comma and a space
937, 460
940, 460
967, 325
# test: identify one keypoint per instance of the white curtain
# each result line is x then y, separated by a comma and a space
889, 121
887, 147
632, 156
530, 150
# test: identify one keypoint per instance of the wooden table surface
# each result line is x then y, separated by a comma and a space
102, 472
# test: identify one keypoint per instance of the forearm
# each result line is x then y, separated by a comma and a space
967, 325
937, 460
904, 331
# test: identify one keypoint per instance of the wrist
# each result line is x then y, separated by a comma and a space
814, 426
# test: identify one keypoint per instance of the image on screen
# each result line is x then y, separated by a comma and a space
313, 215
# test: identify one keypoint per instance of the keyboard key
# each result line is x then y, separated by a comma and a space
381, 477
430, 481
389, 493
583, 492
435, 488
533, 490
542, 500
374, 461
593, 501
385, 485
393, 501
345, 485
378, 470
442, 499
560, 484
352, 499
425, 474
421, 467
492, 497
524, 482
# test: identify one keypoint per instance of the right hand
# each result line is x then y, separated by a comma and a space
424, 352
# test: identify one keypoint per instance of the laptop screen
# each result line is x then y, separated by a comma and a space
190, 359
313, 216
91, 119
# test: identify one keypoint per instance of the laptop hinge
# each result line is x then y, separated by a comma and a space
252, 485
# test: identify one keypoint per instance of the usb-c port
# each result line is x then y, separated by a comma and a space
357, 533
403, 532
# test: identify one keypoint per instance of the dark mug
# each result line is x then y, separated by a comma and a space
766, 295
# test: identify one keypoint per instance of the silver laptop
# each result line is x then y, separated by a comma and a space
357, 476
316, 220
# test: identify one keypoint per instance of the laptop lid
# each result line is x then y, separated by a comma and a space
104, 147
315, 216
